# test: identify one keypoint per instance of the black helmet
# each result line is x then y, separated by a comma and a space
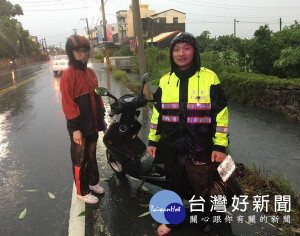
73, 42
187, 38
76, 41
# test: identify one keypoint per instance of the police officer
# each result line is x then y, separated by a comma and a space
189, 122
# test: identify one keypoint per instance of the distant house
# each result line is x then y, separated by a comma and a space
163, 40
125, 20
152, 23
33, 38
166, 21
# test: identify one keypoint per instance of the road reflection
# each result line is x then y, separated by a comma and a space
4, 141
56, 84
13, 77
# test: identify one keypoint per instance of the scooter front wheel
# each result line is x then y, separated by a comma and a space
114, 164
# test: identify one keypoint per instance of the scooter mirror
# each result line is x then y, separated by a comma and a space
101, 91
104, 92
145, 78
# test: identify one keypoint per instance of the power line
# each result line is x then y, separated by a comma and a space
68, 9
118, 4
41, 5
219, 16
247, 8
210, 22
243, 6
82, 9
42, 1
60, 34
96, 23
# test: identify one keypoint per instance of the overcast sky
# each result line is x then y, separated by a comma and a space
56, 19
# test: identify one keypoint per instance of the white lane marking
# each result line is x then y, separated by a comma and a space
76, 224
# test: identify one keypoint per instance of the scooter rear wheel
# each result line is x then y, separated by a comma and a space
114, 164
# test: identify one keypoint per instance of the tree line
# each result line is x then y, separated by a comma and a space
269, 53
14, 40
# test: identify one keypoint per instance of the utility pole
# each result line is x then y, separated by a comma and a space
151, 30
87, 26
234, 30
42, 42
280, 23
139, 41
60, 47
106, 51
75, 32
104, 22
46, 46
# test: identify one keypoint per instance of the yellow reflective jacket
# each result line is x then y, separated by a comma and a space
198, 123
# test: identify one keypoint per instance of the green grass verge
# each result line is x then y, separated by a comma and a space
121, 75
260, 182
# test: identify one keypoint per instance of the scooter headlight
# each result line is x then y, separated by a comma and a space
123, 128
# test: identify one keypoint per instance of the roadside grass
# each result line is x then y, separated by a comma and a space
261, 182
122, 76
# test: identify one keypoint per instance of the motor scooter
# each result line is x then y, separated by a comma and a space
12, 64
126, 152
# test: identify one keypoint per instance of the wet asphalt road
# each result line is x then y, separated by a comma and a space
34, 155
34, 147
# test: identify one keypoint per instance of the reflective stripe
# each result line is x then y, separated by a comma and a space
199, 106
221, 129
153, 126
170, 105
170, 118
197, 120
77, 179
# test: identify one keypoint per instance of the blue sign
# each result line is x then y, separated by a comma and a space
166, 207
100, 33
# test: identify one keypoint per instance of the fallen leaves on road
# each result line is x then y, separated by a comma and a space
144, 214
145, 189
51, 195
22, 214
84, 213
228, 213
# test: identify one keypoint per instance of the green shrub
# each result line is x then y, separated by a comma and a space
119, 74
242, 87
218, 64
124, 51
99, 56
248, 87
157, 63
